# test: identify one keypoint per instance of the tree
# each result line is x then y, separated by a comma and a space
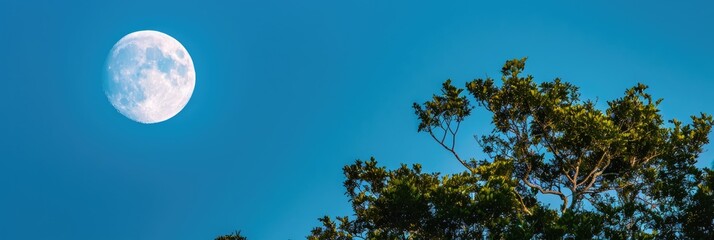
233, 236
619, 172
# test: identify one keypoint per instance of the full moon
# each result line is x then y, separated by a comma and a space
149, 76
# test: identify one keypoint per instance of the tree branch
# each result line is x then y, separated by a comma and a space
451, 150
543, 191
523, 205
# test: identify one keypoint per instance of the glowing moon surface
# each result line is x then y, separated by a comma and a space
149, 76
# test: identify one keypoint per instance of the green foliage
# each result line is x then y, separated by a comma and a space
699, 215
233, 236
446, 107
621, 172
408, 204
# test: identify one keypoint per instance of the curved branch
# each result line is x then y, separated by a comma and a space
451, 150
544, 191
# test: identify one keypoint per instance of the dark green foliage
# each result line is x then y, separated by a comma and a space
233, 236
408, 204
699, 215
620, 173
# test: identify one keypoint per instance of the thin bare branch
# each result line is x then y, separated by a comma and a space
451, 150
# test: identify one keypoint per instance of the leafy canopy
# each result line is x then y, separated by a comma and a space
620, 172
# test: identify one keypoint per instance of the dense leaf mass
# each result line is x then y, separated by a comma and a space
622, 172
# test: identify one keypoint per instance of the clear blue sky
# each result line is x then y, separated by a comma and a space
286, 94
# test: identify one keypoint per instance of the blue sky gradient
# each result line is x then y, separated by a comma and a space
288, 92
